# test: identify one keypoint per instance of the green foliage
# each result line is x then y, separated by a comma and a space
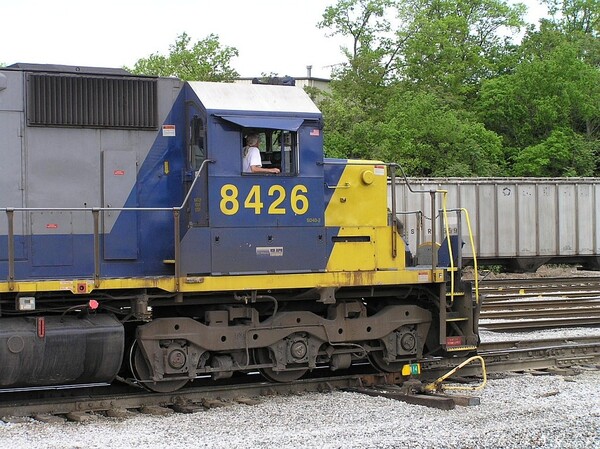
451, 45
444, 91
205, 60
345, 119
416, 130
365, 21
556, 91
431, 139
563, 153
577, 16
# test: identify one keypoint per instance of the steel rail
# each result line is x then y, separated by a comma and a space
547, 323
518, 283
583, 312
540, 304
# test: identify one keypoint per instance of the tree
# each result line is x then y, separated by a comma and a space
358, 87
206, 60
417, 130
581, 16
391, 102
579, 23
453, 45
430, 138
366, 23
563, 153
553, 88
441, 89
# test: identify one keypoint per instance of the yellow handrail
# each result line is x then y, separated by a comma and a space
471, 240
447, 229
475, 268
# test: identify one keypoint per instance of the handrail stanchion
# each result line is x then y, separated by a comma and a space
434, 253
176, 211
11, 249
187, 197
96, 215
448, 242
394, 218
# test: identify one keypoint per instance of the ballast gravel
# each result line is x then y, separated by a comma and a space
516, 411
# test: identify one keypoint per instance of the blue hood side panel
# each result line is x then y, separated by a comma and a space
159, 184
333, 173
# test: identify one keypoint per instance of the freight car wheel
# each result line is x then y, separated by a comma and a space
263, 356
142, 371
376, 359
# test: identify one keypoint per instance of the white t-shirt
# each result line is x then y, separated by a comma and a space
251, 158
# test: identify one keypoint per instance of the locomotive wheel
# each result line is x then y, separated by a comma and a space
376, 359
262, 355
142, 371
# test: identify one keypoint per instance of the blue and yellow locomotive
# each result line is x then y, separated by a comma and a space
133, 242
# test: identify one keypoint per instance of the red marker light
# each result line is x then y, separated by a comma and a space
93, 304
41, 327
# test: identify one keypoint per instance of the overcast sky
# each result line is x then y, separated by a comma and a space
272, 36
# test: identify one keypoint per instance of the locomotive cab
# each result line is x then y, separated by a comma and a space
273, 223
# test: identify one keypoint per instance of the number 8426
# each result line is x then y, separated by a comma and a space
276, 197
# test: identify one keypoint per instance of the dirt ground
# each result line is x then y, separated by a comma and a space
545, 271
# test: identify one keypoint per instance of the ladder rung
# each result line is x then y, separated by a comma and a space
461, 348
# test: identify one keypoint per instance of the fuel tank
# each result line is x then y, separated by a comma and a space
54, 350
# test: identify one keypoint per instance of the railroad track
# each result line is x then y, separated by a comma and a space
539, 303
570, 286
81, 404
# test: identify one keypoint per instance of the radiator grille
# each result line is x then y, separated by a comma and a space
91, 101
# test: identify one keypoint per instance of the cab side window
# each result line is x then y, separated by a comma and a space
278, 149
284, 151
197, 151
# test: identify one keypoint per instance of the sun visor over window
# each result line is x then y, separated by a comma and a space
284, 123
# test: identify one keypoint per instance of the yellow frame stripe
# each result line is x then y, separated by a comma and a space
234, 283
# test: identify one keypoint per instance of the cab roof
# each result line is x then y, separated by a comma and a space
232, 98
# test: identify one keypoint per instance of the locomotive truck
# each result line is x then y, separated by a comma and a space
133, 246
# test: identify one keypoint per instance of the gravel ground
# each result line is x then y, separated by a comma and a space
518, 411
490, 337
